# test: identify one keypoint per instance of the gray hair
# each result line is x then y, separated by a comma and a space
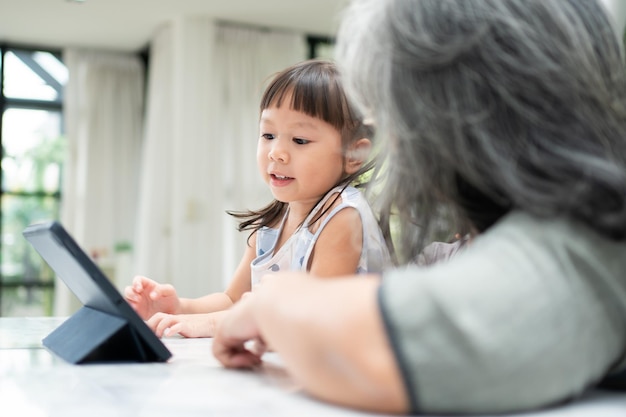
490, 106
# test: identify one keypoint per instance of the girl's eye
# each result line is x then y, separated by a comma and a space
267, 136
300, 141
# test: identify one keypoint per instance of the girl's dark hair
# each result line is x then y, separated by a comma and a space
315, 89
491, 106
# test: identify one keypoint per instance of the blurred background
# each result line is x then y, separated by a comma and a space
134, 123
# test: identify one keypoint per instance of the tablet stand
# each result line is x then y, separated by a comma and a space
93, 336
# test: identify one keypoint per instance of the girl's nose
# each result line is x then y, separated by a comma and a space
277, 153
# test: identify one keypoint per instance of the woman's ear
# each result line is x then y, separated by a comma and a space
357, 154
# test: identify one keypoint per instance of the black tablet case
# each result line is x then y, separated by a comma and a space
105, 328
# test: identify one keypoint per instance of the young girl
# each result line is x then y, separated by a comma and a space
312, 147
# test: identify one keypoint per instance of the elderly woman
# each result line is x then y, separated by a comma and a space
505, 115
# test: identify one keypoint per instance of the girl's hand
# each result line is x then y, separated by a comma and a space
187, 325
148, 297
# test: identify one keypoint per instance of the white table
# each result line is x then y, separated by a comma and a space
34, 383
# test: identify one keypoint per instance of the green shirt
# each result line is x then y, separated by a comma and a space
532, 313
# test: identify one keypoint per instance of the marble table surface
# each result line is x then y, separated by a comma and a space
35, 383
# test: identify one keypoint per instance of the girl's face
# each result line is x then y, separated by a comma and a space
299, 157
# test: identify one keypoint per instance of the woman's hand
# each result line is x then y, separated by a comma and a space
232, 345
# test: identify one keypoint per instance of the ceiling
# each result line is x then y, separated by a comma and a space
128, 25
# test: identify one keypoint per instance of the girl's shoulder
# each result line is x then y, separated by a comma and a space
336, 200
342, 195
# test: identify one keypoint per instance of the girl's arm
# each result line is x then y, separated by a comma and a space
338, 247
332, 341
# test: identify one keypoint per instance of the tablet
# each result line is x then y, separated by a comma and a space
106, 328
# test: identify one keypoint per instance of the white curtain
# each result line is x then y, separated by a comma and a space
104, 121
174, 230
200, 144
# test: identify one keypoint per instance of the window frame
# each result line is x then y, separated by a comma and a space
26, 104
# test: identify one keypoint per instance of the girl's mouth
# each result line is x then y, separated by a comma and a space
280, 180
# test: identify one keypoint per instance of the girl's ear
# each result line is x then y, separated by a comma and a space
357, 154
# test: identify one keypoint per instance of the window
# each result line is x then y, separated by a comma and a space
31, 134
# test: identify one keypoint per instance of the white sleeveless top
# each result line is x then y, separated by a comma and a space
295, 253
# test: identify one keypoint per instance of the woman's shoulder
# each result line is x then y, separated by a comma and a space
555, 276
524, 244
522, 227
